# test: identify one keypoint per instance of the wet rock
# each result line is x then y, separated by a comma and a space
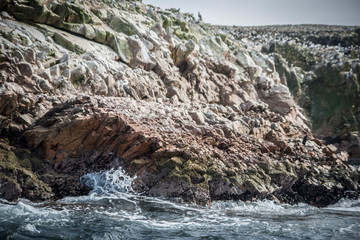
9, 190
16, 178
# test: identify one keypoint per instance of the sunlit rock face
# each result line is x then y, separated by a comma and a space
192, 110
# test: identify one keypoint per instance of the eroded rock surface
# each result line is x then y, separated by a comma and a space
191, 111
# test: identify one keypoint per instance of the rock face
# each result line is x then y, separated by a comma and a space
320, 65
192, 111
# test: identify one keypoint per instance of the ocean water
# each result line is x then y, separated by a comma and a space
113, 211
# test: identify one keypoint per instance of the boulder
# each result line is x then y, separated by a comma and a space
121, 46
181, 52
142, 57
25, 69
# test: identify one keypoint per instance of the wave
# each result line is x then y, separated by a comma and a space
110, 181
112, 210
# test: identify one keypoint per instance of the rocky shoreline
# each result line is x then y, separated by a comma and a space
194, 111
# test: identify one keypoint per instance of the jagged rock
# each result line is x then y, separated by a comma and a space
198, 117
89, 32
211, 118
45, 85
61, 39
17, 181
216, 48
181, 52
158, 29
78, 74
44, 73
26, 119
30, 55
141, 56
121, 46
123, 25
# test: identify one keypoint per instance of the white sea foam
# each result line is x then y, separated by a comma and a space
113, 209
31, 228
111, 181
263, 207
345, 205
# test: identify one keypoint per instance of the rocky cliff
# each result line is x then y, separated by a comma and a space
195, 111
320, 65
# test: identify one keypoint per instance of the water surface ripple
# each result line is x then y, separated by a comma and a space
113, 211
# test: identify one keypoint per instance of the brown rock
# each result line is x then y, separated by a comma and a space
25, 69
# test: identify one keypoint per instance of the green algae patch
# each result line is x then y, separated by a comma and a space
195, 167
178, 173
328, 94
166, 22
16, 176
170, 163
303, 59
72, 13
336, 104
122, 25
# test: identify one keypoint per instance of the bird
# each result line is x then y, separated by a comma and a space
200, 17
305, 139
123, 84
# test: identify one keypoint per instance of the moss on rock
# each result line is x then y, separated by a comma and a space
16, 176
68, 44
122, 25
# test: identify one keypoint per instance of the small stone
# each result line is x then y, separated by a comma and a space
331, 148
64, 58
89, 32
45, 86
44, 73
30, 55
26, 119
55, 71
174, 100
198, 117
25, 69
18, 55
249, 105
6, 15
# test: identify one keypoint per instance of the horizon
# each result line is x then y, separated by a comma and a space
278, 12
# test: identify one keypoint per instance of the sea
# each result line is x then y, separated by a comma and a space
113, 211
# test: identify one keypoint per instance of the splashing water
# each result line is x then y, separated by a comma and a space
113, 211
107, 182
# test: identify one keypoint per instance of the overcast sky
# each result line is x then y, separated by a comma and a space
266, 12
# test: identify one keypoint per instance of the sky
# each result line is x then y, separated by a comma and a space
268, 12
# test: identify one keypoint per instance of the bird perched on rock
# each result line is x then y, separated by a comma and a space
123, 84
200, 17
305, 139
